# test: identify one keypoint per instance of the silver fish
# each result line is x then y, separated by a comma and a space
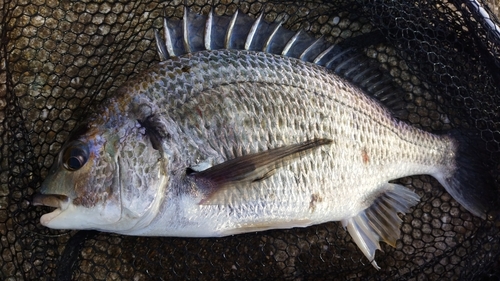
245, 127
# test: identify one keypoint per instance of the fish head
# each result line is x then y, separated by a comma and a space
107, 177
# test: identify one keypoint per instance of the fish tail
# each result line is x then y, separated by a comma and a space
467, 177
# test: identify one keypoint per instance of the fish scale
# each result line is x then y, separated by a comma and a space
212, 143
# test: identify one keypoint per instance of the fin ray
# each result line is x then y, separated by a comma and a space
290, 43
347, 59
185, 30
305, 54
380, 221
229, 32
330, 64
319, 58
269, 40
252, 32
161, 47
165, 48
263, 226
249, 168
208, 30
468, 179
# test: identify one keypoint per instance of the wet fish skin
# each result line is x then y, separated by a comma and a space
217, 119
150, 145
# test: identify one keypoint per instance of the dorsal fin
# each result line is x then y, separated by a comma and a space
270, 38
229, 32
290, 43
197, 32
165, 48
185, 30
251, 34
193, 31
312, 51
208, 30
242, 32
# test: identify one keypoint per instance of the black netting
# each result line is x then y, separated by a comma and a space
58, 58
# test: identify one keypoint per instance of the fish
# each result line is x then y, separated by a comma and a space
246, 126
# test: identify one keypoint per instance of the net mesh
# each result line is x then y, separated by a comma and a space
59, 58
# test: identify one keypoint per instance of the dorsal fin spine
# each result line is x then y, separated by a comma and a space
251, 34
168, 39
353, 67
332, 60
160, 46
208, 30
382, 90
165, 46
356, 78
318, 58
344, 63
185, 30
241, 32
290, 43
229, 33
270, 39
308, 49
368, 80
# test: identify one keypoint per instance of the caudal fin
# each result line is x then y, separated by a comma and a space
467, 178
380, 221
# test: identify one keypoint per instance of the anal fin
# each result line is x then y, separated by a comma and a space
380, 221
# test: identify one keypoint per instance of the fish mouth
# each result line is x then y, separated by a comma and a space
58, 201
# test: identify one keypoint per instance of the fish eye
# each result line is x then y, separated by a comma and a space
75, 156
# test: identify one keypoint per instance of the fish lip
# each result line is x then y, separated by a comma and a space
51, 200
58, 201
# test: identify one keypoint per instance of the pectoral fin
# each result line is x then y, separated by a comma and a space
262, 226
249, 168
380, 222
